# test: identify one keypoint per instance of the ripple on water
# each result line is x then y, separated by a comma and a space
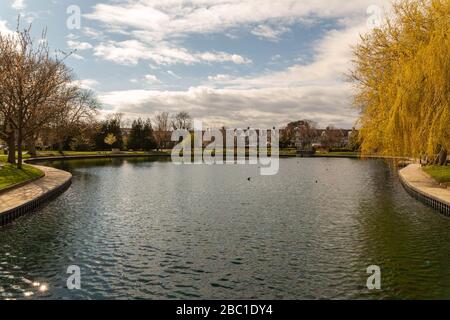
141, 229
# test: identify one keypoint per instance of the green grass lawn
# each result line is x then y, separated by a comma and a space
337, 154
70, 153
10, 175
288, 152
4, 157
439, 173
43, 154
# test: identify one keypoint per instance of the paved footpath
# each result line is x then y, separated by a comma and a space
421, 182
53, 179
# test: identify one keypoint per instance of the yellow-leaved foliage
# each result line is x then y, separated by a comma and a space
402, 77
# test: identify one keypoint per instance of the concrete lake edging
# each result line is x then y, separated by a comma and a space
21, 200
20, 184
423, 188
55, 181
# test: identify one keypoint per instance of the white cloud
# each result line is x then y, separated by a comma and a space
130, 52
313, 88
222, 57
241, 107
4, 29
126, 52
219, 77
315, 91
160, 20
92, 33
151, 79
78, 45
157, 29
18, 4
88, 84
72, 36
330, 64
268, 32
76, 56
173, 74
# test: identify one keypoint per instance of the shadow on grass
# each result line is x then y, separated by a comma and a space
10, 175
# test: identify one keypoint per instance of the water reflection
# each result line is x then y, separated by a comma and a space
141, 228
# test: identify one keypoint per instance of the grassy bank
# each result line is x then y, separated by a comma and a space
439, 173
10, 175
43, 154
284, 152
337, 154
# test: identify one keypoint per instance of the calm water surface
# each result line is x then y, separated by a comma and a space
149, 229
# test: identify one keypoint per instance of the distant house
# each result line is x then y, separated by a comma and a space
294, 137
333, 138
304, 137
164, 138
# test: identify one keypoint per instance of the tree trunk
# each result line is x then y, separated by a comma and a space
32, 148
442, 158
60, 147
19, 149
12, 147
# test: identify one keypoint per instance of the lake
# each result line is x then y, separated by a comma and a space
140, 228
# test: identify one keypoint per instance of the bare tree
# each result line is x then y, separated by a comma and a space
162, 126
34, 87
182, 120
74, 118
300, 133
162, 121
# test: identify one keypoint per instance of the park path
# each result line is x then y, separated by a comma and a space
414, 176
52, 180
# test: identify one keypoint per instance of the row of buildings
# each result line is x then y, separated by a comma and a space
300, 136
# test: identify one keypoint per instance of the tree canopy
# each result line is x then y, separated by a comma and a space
37, 93
402, 76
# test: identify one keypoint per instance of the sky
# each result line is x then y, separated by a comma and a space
234, 63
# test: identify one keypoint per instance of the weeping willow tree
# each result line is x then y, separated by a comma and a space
402, 77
